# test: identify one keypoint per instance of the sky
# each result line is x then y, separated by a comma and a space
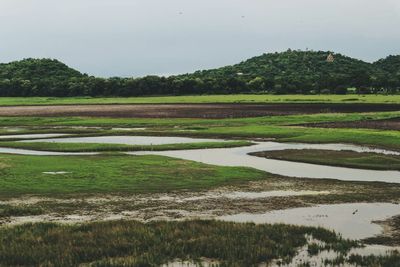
133, 38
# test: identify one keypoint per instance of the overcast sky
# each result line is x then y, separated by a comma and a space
140, 37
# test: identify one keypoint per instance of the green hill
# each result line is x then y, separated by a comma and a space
391, 64
34, 69
289, 63
299, 71
37, 77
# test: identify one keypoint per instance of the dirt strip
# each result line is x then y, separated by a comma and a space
213, 111
388, 124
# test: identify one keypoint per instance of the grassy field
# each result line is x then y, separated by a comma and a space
350, 159
282, 128
112, 173
240, 98
94, 147
122, 243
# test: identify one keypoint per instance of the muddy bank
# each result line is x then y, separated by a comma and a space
391, 233
251, 198
191, 110
386, 124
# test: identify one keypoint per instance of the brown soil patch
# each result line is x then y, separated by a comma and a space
215, 111
388, 124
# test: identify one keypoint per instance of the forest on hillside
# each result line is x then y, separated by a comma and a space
290, 72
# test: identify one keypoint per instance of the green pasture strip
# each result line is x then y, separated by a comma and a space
112, 173
238, 98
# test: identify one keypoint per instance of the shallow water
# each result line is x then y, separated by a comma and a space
353, 220
128, 140
18, 151
239, 157
266, 194
26, 136
56, 173
237, 195
318, 260
128, 129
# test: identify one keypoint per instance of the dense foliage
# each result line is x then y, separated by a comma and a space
300, 72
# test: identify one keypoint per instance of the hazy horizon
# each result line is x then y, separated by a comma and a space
137, 37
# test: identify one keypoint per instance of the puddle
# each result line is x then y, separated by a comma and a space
266, 194
239, 157
128, 129
201, 263
236, 195
55, 173
26, 136
353, 221
128, 140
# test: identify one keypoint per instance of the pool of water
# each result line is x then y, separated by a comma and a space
28, 136
239, 157
353, 220
128, 140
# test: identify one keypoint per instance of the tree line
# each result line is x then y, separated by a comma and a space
290, 72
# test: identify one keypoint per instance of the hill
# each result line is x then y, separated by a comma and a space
290, 72
33, 69
391, 64
35, 77
296, 72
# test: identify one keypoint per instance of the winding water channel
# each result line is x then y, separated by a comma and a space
239, 157
236, 156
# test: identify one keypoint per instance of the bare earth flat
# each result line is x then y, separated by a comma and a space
387, 124
190, 110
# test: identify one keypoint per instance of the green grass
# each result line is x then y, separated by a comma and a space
350, 159
190, 123
283, 128
240, 98
130, 243
95, 147
112, 173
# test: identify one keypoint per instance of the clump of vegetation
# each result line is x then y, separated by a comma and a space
21, 210
374, 161
392, 239
391, 260
137, 244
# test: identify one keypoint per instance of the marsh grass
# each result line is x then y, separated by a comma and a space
97, 147
21, 210
152, 244
350, 159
